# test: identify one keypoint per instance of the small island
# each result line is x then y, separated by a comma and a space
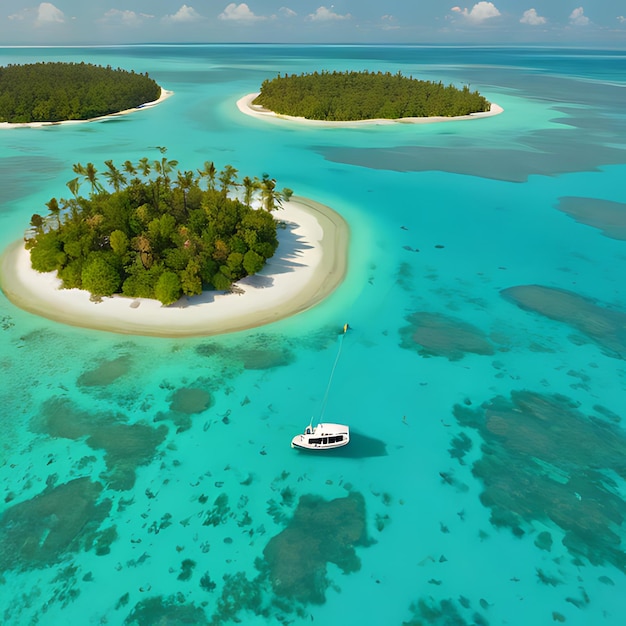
157, 232
60, 92
351, 96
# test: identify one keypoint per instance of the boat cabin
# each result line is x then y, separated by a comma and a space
322, 437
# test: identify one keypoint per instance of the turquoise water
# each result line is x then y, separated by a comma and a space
152, 479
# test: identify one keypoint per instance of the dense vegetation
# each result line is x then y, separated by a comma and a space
156, 232
52, 92
344, 96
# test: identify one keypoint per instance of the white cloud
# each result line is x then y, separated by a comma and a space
124, 18
389, 22
578, 17
240, 13
325, 15
480, 12
621, 19
184, 14
47, 13
287, 12
22, 15
531, 18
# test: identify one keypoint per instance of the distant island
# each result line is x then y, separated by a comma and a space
157, 233
355, 96
56, 92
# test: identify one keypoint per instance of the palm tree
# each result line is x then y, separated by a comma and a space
36, 223
227, 178
144, 166
268, 192
55, 209
73, 185
271, 198
208, 171
164, 167
131, 170
184, 182
90, 175
114, 176
79, 169
250, 186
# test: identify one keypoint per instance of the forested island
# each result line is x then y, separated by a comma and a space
350, 96
157, 232
54, 92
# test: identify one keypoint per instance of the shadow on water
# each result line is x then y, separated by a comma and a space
360, 447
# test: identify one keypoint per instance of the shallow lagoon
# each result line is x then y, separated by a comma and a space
147, 479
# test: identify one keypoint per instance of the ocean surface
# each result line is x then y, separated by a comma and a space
151, 481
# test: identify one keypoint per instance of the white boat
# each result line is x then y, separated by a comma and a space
322, 437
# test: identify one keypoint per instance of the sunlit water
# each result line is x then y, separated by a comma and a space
142, 479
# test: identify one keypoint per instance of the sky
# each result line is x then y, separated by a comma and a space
540, 22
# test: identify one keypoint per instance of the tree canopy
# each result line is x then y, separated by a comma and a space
53, 92
349, 96
156, 232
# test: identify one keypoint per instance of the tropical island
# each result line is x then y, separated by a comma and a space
157, 232
354, 96
58, 92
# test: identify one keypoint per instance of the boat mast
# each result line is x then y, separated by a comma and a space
332, 373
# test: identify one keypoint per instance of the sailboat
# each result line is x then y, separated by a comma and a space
325, 435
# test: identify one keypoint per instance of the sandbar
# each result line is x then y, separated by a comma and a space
245, 106
309, 264
165, 94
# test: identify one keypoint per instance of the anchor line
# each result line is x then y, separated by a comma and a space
330, 380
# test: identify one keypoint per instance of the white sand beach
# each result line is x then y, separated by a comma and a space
245, 106
310, 262
164, 96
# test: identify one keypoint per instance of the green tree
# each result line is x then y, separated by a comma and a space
47, 254
119, 242
99, 276
168, 288
252, 262
220, 281
129, 235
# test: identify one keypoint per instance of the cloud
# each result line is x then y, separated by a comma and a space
531, 18
239, 13
322, 14
287, 12
578, 18
389, 22
47, 13
621, 19
124, 18
480, 12
184, 14
22, 15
